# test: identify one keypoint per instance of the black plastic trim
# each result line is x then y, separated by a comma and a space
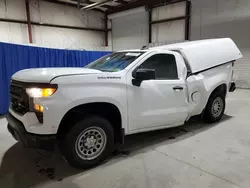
232, 87
177, 88
122, 136
18, 131
19, 98
33, 84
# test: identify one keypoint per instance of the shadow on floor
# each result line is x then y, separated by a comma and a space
22, 167
135, 143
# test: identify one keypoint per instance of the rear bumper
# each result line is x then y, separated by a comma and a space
18, 131
232, 87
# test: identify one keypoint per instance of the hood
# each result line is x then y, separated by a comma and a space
45, 75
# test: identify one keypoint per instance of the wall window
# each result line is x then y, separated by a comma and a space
164, 66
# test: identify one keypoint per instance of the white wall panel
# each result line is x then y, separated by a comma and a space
225, 18
130, 31
2, 9
13, 9
13, 32
46, 12
168, 31
67, 38
169, 11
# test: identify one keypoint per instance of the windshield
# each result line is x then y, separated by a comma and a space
114, 62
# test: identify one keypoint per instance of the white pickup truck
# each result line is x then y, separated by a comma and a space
86, 111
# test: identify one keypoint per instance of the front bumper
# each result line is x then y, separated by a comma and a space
232, 87
18, 131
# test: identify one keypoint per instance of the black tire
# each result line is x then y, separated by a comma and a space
208, 115
71, 151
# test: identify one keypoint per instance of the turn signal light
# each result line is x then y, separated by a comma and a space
39, 108
46, 92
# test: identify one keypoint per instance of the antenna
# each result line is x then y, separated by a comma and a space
144, 48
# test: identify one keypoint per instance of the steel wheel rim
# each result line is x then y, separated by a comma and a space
90, 143
217, 107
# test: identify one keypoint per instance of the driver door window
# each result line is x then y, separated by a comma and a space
164, 66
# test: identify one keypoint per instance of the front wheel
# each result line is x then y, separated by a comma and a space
215, 108
89, 142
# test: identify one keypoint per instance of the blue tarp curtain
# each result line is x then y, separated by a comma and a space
17, 57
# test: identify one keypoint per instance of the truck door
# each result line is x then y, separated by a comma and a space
160, 102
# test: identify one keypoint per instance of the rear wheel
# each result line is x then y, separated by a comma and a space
215, 108
89, 142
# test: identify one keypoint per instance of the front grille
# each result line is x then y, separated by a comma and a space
19, 97
19, 106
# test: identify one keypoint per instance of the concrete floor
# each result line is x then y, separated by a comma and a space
195, 155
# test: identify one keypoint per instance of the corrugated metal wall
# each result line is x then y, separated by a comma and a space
51, 13
169, 31
130, 30
209, 19
225, 18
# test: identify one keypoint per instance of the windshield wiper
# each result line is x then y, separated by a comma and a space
103, 70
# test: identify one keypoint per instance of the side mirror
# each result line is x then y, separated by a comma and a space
142, 74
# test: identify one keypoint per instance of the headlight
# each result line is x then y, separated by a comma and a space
40, 92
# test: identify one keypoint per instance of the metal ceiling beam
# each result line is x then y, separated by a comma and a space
62, 3
106, 34
67, 27
107, 6
187, 20
122, 2
69, 4
138, 3
50, 25
27, 5
88, 2
94, 5
130, 5
169, 19
150, 26
167, 2
13, 21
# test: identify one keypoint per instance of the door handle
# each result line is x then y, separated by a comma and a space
177, 88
